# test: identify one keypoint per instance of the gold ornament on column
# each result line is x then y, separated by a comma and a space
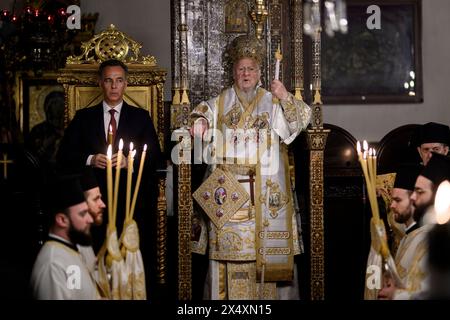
258, 15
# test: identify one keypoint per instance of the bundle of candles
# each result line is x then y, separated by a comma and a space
368, 160
113, 199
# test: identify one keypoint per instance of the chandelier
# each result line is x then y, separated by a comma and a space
334, 16
35, 37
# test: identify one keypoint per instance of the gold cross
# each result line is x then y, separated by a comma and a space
5, 162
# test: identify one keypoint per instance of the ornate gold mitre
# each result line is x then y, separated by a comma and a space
246, 46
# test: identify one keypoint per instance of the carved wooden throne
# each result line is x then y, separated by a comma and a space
144, 90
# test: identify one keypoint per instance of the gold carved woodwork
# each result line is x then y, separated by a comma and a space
111, 44
316, 143
161, 234
297, 46
185, 208
259, 15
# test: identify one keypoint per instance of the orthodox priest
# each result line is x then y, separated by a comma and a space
59, 272
247, 199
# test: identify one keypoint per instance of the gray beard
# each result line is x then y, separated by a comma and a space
250, 95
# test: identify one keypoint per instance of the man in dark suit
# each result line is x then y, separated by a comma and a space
85, 143
85, 140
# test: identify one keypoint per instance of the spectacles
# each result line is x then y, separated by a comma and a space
247, 69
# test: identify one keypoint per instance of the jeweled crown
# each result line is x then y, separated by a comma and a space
246, 46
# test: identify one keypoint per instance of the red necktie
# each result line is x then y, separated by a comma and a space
112, 126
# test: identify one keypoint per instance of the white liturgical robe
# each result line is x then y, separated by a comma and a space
59, 273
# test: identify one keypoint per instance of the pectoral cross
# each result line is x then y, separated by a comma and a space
251, 181
5, 162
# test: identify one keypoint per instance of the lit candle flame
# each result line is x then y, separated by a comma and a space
358, 147
121, 144
442, 203
145, 147
365, 145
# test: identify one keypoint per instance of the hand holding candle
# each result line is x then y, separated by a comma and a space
138, 182
278, 57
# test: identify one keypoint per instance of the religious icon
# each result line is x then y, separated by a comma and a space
236, 17
196, 229
220, 195
233, 117
274, 200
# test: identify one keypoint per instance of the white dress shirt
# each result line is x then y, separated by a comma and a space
106, 121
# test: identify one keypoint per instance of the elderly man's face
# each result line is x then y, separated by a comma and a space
425, 150
246, 74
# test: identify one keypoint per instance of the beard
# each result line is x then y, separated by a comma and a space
79, 237
402, 218
420, 211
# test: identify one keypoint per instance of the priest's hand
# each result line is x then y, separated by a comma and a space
99, 161
199, 128
279, 90
388, 290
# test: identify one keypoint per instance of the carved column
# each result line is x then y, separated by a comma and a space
317, 137
184, 232
297, 47
161, 233
185, 206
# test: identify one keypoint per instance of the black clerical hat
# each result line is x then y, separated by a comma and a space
88, 180
437, 169
407, 175
431, 132
64, 192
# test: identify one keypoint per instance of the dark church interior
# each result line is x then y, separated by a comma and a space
361, 82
